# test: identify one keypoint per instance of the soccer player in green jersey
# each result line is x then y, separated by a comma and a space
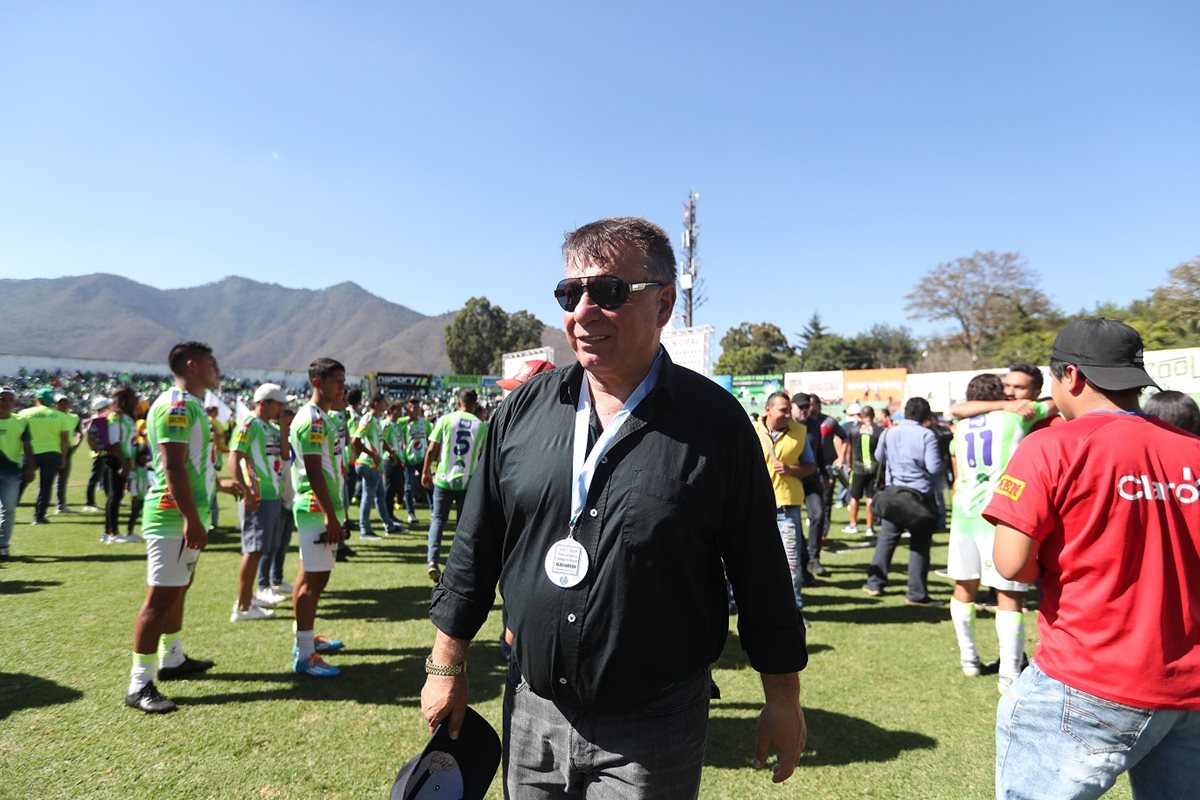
416, 440
455, 445
257, 464
982, 447
175, 521
393, 456
368, 445
318, 510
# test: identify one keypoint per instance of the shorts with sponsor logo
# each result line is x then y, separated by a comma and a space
169, 562
262, 528
970, 556
317, 556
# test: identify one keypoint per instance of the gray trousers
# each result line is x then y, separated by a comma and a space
556, 751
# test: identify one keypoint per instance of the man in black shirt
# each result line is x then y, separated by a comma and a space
613, 498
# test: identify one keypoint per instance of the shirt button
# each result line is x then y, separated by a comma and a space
570, 617
592, 513
603, 459
563, 681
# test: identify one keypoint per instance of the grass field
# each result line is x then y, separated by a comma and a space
889, 713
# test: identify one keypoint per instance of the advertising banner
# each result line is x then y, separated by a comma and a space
752, 390
827, 385
874, 386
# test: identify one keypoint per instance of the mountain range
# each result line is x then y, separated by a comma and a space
249, 324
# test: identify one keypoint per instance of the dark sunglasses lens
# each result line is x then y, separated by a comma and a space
606, 291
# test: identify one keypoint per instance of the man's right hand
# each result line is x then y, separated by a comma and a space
333, 530
426, 480
195, 537
444, 698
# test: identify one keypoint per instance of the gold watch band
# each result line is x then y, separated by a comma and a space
444, 669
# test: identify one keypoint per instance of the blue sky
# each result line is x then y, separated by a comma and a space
431, 153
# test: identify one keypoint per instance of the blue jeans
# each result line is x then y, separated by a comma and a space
1056, 741
791, 531
370, 480
560, 752
412, 485
10, 491
442, 499
270, 566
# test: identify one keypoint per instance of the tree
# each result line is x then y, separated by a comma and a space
481, 333
753, 349
1178, 304
832, 351
987, 294
813, 329
883, 345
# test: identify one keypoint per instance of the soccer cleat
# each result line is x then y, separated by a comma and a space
190, 666
250, 614
434, 573
149, 700
368, 536
850, 529
322, 645
314, 666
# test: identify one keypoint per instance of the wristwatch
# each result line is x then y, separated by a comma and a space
444, 669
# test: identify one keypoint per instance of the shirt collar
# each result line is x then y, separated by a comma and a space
667, 385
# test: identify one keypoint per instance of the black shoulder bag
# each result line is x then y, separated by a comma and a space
902, 506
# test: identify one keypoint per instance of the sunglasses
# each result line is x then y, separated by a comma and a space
607, 291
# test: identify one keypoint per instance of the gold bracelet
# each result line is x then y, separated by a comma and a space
444, 669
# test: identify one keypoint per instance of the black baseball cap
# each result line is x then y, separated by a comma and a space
452, 769
1108, 353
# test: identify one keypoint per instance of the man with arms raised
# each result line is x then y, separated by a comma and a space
1105, 509
175, 522
613, 497
317, 476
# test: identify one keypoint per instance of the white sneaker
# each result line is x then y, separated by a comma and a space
92, 509
63, 510
850, 529
1003, 683
283, 588
133, 537
107, 538
972, 669
412, 519
870, 531
250, 614
265, 598
125, 539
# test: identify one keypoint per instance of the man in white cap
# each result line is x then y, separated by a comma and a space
258, 452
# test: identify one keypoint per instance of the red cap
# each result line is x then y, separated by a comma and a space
527, 371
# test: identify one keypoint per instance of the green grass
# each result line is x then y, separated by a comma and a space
889, 713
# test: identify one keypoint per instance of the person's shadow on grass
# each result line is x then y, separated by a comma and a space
19, 691
397, 680
833, 739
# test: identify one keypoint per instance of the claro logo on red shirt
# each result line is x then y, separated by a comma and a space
1141, 487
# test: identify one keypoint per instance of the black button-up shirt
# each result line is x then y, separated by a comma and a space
682, 491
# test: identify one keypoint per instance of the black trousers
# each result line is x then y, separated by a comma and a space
114, 487
99, 467
47, 465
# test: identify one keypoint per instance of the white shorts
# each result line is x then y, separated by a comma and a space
970, 559
168, 562
316, 556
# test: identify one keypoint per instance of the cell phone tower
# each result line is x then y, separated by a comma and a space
687, 274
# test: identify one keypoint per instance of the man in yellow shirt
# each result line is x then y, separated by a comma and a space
789, 460
50, 435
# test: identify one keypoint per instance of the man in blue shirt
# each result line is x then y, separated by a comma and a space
913, 460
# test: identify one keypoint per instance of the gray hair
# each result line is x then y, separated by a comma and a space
597, 241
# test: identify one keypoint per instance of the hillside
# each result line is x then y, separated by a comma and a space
249, 324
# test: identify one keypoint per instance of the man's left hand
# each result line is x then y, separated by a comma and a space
781, 727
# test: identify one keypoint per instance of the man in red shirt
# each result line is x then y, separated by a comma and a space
1105, 509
